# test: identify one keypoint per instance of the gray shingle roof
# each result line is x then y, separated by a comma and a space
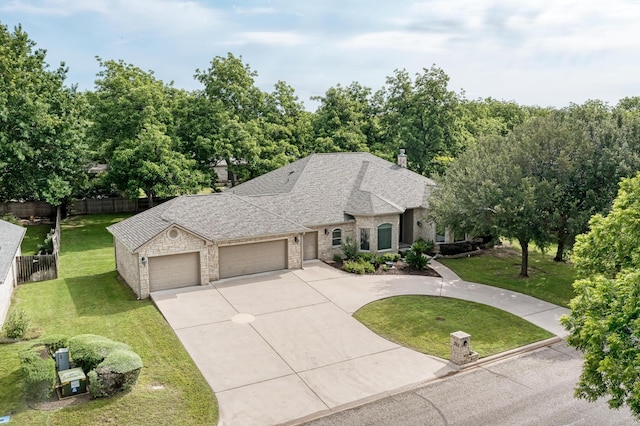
10, 239
320, 189
214, 217
323, 187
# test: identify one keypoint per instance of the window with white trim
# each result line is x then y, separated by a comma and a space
364, 239
336, 237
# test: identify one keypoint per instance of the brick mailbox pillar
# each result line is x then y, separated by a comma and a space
461, 352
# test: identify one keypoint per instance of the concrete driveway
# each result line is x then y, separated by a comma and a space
279, 346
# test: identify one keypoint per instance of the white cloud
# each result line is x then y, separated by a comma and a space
397, 40
55, 7
272, 38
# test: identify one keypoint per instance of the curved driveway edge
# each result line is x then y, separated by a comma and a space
279, 346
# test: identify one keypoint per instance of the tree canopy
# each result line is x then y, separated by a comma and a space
604, 321
42, 124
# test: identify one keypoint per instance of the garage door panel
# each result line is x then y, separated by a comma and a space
310, 245
174, 271
245, 259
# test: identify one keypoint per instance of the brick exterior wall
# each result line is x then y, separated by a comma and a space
428, 229
326, 249
372, 223
128, 266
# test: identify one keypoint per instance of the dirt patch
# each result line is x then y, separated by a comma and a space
396, 268
55, 402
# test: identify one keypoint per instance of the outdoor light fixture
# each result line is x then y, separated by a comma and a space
143, 260
296, 239
326, 231
420, 224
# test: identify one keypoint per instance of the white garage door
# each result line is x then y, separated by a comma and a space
178, 270
252, 258
310, 245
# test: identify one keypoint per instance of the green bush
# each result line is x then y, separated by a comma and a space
39, 372
47, 246
415, 259
367, 257
337, 258
358, 267
389, 257
16, 324
118, 372
423, 247
11, 219
54, 342
89, 350
349, 248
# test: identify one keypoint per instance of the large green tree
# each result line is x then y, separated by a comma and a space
604, 321
42, 124
134, 132
423, 116
488, 190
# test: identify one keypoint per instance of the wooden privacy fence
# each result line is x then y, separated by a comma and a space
37, 268
27, 209
41, 267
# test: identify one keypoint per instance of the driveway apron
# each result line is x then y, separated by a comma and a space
280, 346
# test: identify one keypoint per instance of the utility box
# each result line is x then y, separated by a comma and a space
62, 359
461, 352
72, 382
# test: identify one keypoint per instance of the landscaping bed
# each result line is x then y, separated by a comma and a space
396, 268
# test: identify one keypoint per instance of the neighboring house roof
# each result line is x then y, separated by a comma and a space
214, 217
317, 190
10, 239
321, 188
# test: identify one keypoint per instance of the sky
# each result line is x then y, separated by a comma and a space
537, 52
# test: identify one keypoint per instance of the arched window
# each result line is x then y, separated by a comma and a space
336, 237
384, 236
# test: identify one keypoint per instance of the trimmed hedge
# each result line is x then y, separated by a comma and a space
54, 342
118, 372
89, 350
39, 372
358, 266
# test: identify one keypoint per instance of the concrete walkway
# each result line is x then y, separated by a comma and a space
279, 346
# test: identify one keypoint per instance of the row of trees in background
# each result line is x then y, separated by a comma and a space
529, 173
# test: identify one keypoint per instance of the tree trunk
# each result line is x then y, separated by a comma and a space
150, 199
562, 238
524, 266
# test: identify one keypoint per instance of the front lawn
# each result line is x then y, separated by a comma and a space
33, 237
89, 299
500, 267
423, 323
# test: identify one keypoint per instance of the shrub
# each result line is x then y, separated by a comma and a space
17, 324
423, 247
416, 259
47, 245
11, 219
367, 257
118, 372
89, 350
39, 372
389, 257
349, 248
359, 266
54, 342
337, 258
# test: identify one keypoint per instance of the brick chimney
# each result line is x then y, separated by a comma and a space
402, 159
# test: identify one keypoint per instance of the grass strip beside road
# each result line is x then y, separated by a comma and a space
423, 323
88, 298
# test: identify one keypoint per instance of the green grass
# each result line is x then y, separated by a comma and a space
89, 299
548, 280
34, 236
424, 323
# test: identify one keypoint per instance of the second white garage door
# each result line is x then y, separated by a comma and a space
245, 259
178, 270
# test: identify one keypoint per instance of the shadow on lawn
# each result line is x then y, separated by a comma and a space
101, 294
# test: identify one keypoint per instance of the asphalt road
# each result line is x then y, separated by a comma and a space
531, 389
